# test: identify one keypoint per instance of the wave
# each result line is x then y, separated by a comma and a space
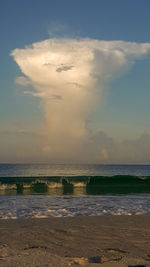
93, 185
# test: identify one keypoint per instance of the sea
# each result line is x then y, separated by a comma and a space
63, 190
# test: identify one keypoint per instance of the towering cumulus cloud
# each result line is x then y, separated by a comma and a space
69, 76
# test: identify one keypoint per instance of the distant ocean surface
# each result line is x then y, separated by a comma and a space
48, 190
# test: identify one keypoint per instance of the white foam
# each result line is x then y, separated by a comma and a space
51, 210
26, 186
7, 186
39, 206
39, 216
79, 184
54, 185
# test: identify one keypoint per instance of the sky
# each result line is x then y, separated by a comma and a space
74, 81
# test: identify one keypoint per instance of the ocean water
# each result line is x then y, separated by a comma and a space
48, 190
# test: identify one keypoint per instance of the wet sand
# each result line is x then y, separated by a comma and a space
78, 241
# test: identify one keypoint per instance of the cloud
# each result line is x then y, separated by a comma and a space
70, 76
108, 150
57, 29
64, 68
21, 80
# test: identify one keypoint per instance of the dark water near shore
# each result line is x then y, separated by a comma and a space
42, 190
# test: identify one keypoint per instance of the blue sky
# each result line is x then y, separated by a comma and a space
123, 113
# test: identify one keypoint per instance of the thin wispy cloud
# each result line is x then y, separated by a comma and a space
23, 81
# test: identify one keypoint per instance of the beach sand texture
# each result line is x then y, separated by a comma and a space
79, 241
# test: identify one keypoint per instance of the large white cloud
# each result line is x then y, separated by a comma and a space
69, 76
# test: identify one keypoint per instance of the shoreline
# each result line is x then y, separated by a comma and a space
76, 241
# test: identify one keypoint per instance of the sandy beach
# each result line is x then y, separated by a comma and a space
79, 241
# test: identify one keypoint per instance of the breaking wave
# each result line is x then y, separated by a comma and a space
87, 185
